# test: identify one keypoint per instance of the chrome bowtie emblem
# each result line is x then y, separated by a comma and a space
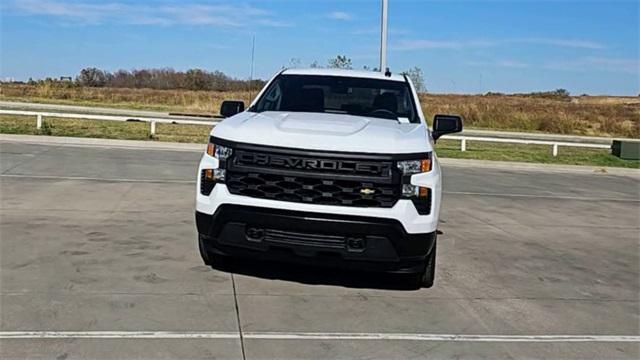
366, 191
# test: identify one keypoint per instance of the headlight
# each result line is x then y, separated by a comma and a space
218, 151
410, 167
216, 175
409, 190
420, 196
212, 176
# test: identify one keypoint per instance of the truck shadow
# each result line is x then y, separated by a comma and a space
314, 275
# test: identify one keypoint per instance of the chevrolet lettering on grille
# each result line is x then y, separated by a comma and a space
302, 163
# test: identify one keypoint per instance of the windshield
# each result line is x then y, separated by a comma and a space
384, 99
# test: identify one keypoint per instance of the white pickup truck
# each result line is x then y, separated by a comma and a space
327, 167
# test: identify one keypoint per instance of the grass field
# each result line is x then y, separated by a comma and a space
10, 124
199, 133
583, 115
148, 99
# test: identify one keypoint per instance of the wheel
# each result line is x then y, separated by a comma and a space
426, 278
204, 254
209, 258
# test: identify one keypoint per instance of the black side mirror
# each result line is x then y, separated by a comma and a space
231, 107
446, 124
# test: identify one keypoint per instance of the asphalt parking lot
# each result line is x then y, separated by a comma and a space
98, 240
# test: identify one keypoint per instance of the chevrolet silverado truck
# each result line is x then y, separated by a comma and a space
326, 167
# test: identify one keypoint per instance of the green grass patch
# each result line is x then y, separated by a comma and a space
183, 133
532, 153
10, 124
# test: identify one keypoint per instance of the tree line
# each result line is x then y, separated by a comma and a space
343, 62
196, 79
164, 79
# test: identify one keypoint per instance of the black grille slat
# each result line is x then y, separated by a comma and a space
295, 238
264, 175
306, 236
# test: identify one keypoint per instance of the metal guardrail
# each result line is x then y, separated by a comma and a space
555, 144
152, 129
152, 121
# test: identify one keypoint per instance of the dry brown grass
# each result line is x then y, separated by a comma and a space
164, 100
584, 115
598, 116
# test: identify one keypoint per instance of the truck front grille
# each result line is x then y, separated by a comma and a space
312, 190
313, 180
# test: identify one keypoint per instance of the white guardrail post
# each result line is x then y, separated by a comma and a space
463, 144
152, 127
555, 150
39, 121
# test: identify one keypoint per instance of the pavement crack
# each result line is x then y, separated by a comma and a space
235, 302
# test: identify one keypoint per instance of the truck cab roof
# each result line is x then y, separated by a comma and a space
345, 73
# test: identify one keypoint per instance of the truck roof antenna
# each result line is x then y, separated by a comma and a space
387, 73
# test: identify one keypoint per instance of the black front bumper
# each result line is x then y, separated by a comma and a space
358, 242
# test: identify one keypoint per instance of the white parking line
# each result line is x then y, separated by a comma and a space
117, 335
311, 336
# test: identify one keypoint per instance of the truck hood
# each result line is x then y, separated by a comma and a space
322, 131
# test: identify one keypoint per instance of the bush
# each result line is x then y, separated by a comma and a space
92, 77
339, 62
164, 79
416, 76
558, 94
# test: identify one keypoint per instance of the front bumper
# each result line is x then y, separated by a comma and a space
365, 243
403, 211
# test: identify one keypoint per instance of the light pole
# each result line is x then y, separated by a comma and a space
383, 36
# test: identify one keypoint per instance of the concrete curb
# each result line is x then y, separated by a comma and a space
172, 146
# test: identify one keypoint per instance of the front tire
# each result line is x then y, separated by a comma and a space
204, 254
209, 258
426, 278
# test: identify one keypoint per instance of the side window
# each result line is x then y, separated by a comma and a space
271, 100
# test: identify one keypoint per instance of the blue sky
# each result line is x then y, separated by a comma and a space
462, 46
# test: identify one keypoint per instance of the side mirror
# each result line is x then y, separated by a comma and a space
446, 124
231, 107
